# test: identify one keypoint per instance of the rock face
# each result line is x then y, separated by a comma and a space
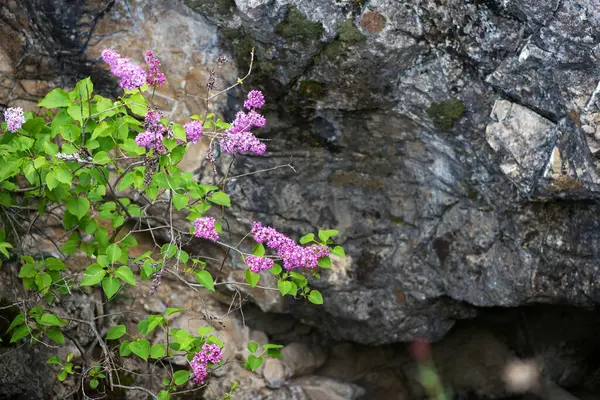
453, 145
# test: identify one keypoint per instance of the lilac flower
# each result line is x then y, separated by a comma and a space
205, 228
155, 77
210, 353
243, 142
239, 139
258, 264
14, 118
321, 251
255, 99
132, 76
150, 140
293, 255
257, 119
193, 131
152, 118
153, 137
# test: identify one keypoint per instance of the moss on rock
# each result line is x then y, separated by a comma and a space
311, 89
212, 7
444, 114
296, 25
348, 33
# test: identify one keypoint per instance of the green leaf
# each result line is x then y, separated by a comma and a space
116, 332
62, 375
79, 207
253, 362
126, 275
285, 287
205, 279
43, 281
252, 277
169, 249
259, 250
51, 320
113, 252
220, 198
51, 180
140, 348
124, 349
338, 251
110, 286
137, 104
153, 322
272, 346
20, 332
101, 157
171, 311
164, 395
276, 270
63, 175
274, 353
326, 234
307, 238
204, 330
56, 336
315, 297
27, 271
56, 98
179, 132
180, 377
324, 262
93, 275
3, 247
252, 347
157, 350
94, 383
180, 201
54, 264
84, 88
54, 360
19, 319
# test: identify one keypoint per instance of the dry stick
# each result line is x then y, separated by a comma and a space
137, 388
263, 170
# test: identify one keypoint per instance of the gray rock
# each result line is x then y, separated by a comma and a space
385, 109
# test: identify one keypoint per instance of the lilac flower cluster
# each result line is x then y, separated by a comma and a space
14, 118
155, 77
255, 99
205, 228
193, 131
152, 137
132, 76
293, 255
258, 264
210, 353
239, 139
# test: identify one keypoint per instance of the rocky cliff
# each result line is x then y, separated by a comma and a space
453, 143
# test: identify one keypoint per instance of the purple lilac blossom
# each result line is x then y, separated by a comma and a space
255, 99
132, 76
155, 77
205, 228
293, 255
153, 137
14, 118
239, 139
210, 353
193, 131
258, 264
